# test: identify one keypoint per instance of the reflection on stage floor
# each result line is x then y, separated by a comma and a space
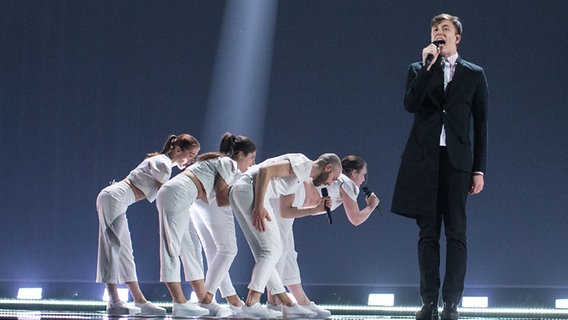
94, 310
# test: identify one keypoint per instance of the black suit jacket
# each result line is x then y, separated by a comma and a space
463, 103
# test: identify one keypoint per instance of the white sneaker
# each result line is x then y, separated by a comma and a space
297, 311
216, 310
238, 312
274, 313
321, 312
275, 307
150, 309
121, 308
258, 311
188, 309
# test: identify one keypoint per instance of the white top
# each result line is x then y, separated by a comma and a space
206, 171
343, 182
149, 175
301, 166
348, 186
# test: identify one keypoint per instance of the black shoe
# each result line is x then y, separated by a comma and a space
450, 311
429, 311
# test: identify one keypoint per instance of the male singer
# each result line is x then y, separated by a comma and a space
437, 169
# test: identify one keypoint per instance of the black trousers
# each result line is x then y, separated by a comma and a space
453, 187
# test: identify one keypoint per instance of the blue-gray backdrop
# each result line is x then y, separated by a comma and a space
87, 88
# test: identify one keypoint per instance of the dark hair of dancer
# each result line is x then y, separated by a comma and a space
230, 146
352, 163
184, 141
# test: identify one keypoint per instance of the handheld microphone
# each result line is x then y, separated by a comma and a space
366, 191
429, 58
368, 194
327, 210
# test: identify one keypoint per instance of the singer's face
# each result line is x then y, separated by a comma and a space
445, 30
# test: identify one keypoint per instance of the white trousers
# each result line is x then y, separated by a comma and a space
115, 259
266, 246
177, 231
216, 229
287, 267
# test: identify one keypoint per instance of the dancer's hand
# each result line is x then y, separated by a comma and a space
258, 216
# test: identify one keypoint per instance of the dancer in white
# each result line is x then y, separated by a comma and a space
115, 262
250, 199
216, 229
213, 172
307, 201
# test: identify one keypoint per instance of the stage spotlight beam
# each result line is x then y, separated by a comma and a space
239, 89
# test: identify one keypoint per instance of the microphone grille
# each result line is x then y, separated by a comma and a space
324, 192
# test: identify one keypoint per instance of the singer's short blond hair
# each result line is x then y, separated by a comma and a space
453, 19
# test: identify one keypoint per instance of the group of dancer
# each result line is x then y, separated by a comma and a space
197, 209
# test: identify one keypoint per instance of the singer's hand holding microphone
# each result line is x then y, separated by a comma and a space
431, 52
